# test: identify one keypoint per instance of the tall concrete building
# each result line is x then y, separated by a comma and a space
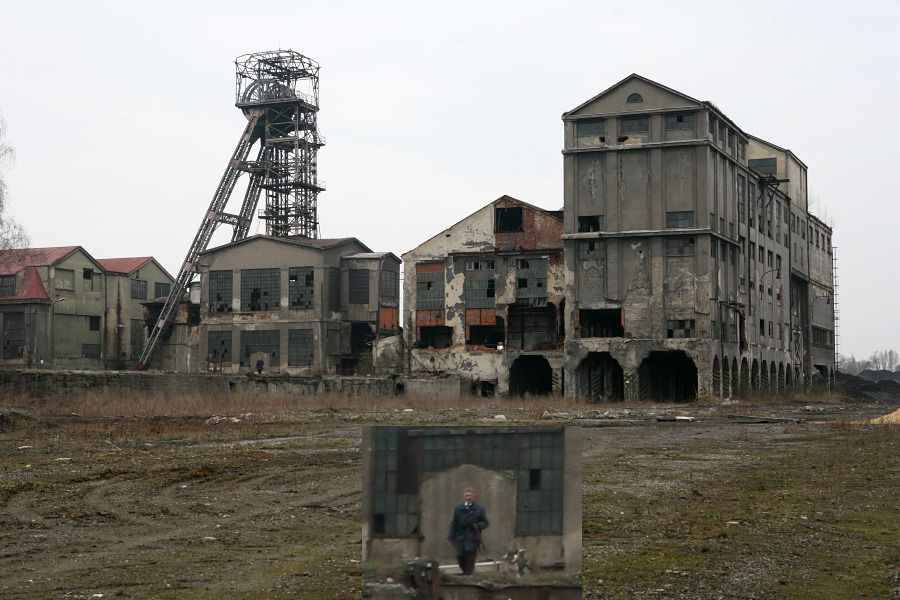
693, 264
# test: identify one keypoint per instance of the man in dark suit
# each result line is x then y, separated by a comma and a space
469, 519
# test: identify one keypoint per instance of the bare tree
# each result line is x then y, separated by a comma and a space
884, 360
12, 234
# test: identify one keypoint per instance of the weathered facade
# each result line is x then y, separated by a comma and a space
129, 283
485, 298
61, 308
693, 265
301, 305
527, 478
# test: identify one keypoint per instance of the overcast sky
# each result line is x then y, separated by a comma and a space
122, 113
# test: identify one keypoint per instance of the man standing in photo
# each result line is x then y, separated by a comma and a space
469, 518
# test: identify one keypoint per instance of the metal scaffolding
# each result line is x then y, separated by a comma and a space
278, 91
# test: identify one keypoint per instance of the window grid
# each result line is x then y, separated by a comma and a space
430, 291
90, 350
300, 288
260, 289
7, 286
301, 352
139, 289
532, 278
679, 246
684, 218
219, 346
685, 121
591, 250
13, 334
478, 293
590, 133
680, 328
221, 286
359, 286
161, 289
388, 286
635, 125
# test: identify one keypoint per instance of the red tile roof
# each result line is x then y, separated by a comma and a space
13, 261
123, 265
32, 287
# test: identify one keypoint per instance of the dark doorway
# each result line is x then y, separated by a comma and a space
435, 336
530, 374
601, 378
668, 377
601, 323
532, 328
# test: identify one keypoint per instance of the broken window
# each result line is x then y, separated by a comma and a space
359, 286
590, 133
822, 337
301, 288
260, 289
685, 121
679, 246
161, 289
13, 334
591, 250
508, 219
766, 166
601, 323
479, 265
683, 218
87, 276
680, 328
435, 336
300, 347
634, 125
430, 290
139, 289
266, 341
486, 335
532, 327
220, 291
588, 223
531, 278
478, 293
219, 346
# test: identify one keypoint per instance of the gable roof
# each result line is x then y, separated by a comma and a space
14, 260
296, 240
623, 82
123, 265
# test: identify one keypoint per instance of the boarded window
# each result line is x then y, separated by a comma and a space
220, 291
635, 125
590, 133
680, 328
260, 289
300, 347
13, 334
508, 219
139, 289
300, 288
682, 219
680, 121
359, 286
265, 341
679, 246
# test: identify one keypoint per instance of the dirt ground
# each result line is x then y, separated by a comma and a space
745, 501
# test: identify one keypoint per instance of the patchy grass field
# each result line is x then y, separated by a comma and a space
146, 497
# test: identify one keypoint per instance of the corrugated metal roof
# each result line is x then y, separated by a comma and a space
123, 265
13, 261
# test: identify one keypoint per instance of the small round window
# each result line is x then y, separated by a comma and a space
635, 98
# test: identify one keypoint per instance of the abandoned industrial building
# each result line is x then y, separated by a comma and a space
62, 308
301, 305
693, 265
485, 298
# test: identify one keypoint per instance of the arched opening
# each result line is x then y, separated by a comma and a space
601, 378
764, 378
773, 378
668, 377
530, 374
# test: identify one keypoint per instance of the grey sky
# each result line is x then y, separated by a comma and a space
122, 113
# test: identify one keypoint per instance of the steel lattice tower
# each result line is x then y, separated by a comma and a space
278, 91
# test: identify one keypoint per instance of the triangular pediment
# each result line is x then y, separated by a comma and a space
615, 99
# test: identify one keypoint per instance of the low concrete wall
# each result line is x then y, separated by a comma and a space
52, 382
